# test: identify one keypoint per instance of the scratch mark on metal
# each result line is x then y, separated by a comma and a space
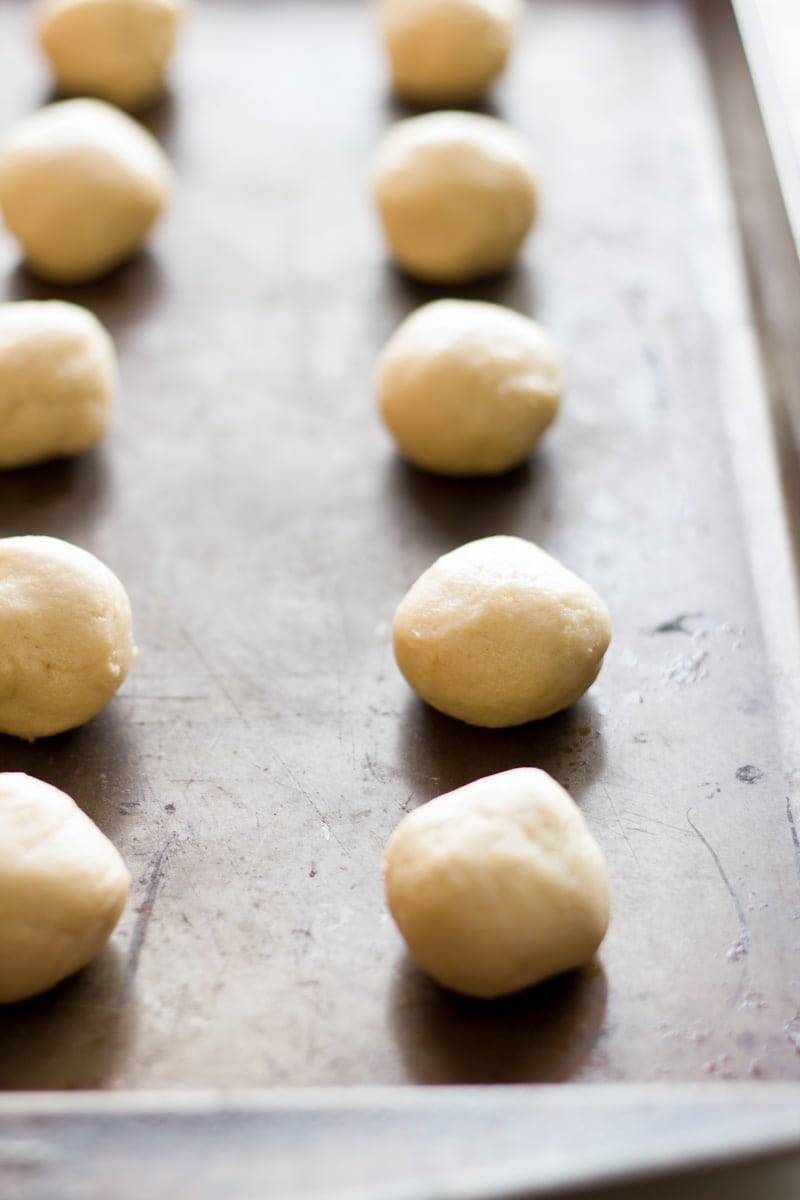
742, 942
213, 676
304, 791
144, 914
795, 838
617, 818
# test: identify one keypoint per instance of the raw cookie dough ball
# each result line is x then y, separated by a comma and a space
467, 388
58, 378
81, 185
498, 885
115, 49
63, 887
456, 193
66, 641
447, 51
499, 633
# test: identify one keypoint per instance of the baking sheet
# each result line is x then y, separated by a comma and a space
264, 746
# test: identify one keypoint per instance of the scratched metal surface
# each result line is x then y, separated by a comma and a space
264, 746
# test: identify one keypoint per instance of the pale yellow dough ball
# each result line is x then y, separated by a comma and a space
81, 185
467, 388
117, 50
498, 885
58, 379
498, 633
66, 638
456, 193
447, 51
63, 887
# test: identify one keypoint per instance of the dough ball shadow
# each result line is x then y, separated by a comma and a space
444, 512
437, 754
74, 1036
397, 109
400, 294
542, 1035
119, 299
96, 764
161, 119
64, 497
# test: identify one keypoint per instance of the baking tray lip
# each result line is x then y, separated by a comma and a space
737, 1123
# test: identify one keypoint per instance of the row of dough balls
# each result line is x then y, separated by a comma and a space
81, 185
499, 884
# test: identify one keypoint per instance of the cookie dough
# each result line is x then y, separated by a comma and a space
66, 641
447, 51
456, 194
63, 887
115, 49
498, 633
467, 388
58, 379
81, 185
498, 885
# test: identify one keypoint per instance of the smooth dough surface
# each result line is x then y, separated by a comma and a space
66, 638
498, 885
447, 51
63, 887
58, 380
81, 185
117, 50
498, 633
467, 388
456, 194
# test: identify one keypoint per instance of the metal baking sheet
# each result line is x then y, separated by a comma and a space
265, 746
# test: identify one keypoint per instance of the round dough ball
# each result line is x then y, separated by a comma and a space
63, 887
456, 194
447, 51
66, 640
81, 185
115, 49
467, 388
58, 378
498, 885
498, 633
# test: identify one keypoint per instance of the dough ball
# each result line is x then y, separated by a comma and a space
115, 49
456, 194
58, 378
447, 51
66, 641
498, 885
81, 185
467, 388
499, 633
63, 887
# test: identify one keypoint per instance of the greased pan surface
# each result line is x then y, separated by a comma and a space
265, 746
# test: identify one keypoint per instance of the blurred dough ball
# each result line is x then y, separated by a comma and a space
58, 378
498, 885
81, 185
447, 51
467, 388
66, 638
115, 49
63, 887
456, 193
498, 633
